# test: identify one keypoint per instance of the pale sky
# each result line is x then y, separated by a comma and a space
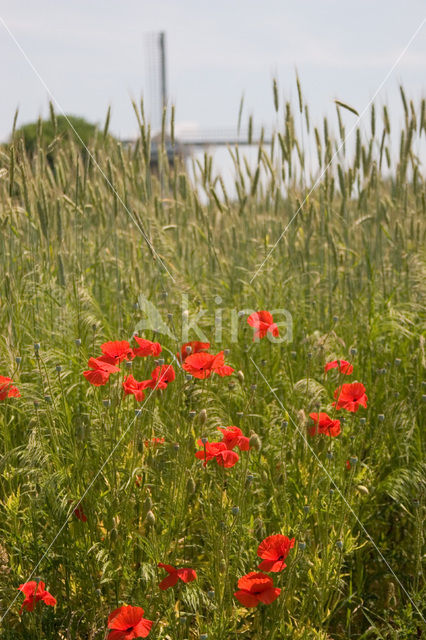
91, 54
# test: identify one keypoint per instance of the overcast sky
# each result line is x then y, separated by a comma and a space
91, 54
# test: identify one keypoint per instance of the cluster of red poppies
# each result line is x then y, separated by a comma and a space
7, 390
223, 451
255, 587
120, 350
128, 622
348, 396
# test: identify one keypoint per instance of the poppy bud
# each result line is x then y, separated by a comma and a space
302, 546
306, 508
138, 412
235, 511
188, 377
353, 460
240, 376
94, 327
231, 385
147, 505
176, 446
284, 424
331, 492
253, 387
335, 319
188, 349
18, 360
190, 486
204, 636
36, 403
362, 489
339, 544
202, 416
226, 352
397, 362
58, 368
170, 316
204, 440
329, 455
182, 619
150, 518
362, 421
48, 399
263, 363
129, 364
380, 417
136, 306
396, 394
309, 355
302, 418
249, 479
353, 351
255, 442
192, 414
210, 595
77, 342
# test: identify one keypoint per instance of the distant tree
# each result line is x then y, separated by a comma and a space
45, 133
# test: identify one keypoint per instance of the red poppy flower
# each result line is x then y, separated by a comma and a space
350, 397
343, 366
324, 424
99, 371
186, 575
348, 465
202, 365
34, 592
263, 323
127, 622
192, 347
79, 513
146, 348
118, 350
256, 587
153, 442
233, 437
274, 550
218, 451
132, 386
7, 390
160, 377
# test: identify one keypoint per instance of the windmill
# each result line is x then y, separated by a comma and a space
156, 72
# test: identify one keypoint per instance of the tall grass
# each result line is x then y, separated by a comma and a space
80, 248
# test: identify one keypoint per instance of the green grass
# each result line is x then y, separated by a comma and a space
350, 270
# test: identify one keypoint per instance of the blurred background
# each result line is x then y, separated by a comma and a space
94, 54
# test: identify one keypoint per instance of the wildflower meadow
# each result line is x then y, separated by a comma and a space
212, 396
